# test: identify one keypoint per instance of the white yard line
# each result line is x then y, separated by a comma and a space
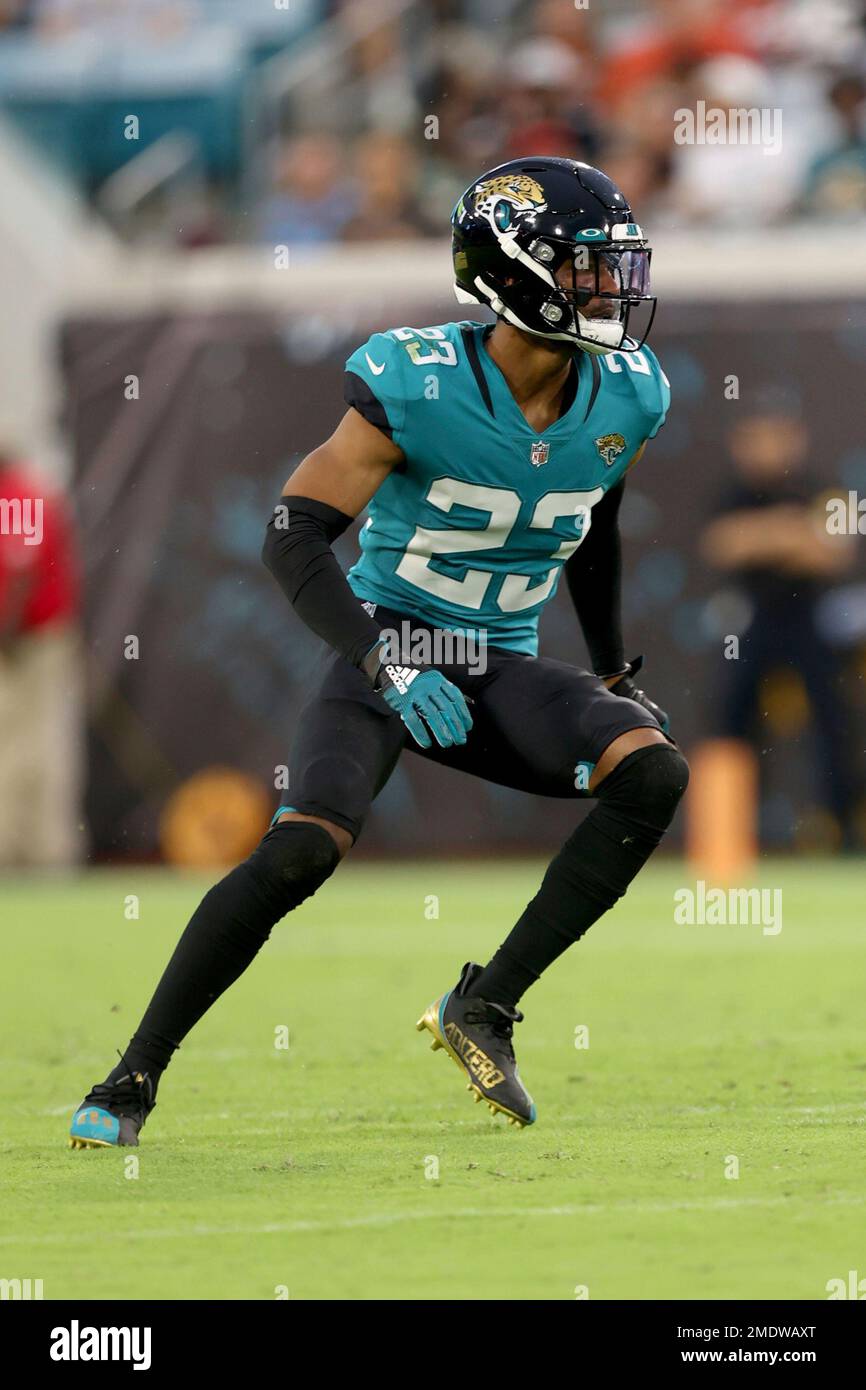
709, 1204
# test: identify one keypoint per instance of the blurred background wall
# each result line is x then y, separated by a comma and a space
206, 205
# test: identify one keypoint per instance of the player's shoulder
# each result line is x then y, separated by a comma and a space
392, 368
637, 376
636, 369
394, 351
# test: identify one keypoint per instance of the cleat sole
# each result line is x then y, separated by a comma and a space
430, 1020
90, 1144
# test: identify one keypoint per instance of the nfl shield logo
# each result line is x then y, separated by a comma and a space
539, 453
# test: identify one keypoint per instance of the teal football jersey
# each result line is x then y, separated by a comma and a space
472, 532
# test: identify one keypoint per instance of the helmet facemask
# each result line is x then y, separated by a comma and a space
614, 279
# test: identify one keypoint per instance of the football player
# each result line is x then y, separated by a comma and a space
489, 458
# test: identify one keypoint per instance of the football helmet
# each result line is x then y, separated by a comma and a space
517, 226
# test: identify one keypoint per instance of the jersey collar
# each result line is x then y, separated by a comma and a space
504, 408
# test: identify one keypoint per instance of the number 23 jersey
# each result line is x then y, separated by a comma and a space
472, 531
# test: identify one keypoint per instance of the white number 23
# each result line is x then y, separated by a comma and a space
502, 507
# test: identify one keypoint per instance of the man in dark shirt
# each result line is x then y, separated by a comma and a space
770, 534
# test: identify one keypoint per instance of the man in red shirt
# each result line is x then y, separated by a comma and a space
40, 705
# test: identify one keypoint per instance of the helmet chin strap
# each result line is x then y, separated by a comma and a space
596, 337
603, 335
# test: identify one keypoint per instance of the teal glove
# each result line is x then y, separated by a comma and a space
426, 702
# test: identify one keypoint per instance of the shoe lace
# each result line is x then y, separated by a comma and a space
128, 1092
496, 1022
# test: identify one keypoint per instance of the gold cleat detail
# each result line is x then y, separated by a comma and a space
430, 1020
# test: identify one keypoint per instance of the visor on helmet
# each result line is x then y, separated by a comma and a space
595, 300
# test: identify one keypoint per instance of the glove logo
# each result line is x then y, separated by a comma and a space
610, 446
402, 676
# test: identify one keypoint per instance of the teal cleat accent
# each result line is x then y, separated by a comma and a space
112, 1114
93, 1128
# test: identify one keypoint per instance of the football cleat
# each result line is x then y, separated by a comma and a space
113, 1113
477, 1033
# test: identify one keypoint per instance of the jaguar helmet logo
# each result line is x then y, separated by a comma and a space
498, 199
610, 446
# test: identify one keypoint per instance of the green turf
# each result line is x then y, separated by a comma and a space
263, 1168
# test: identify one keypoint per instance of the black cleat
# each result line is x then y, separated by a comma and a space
113, 1113
477, 1034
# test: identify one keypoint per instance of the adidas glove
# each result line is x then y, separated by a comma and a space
425, 701
626, 687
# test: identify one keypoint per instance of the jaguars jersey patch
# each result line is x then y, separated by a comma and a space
610, 446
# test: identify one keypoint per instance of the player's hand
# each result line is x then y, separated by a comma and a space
426, 702
626, 687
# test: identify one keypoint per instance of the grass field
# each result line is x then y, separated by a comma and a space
308, 1169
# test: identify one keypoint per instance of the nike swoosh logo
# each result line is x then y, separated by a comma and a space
374, 367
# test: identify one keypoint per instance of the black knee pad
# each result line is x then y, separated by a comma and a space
647, 784
292, 861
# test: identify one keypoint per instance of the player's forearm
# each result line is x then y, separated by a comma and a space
297, 551
594, 578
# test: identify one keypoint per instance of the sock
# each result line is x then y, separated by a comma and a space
636, 803
227, 930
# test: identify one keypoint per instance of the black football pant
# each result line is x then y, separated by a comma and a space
539, 726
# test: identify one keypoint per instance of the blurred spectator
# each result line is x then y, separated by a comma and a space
467, 84
639, 152
385, 169
836, 183
668, 39
312, 199
15, 13
40, 709
643, 172
383, 90
545, 79
740, 178
770, 535
576, 29
461, 87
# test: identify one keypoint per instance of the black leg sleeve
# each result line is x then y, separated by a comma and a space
226, 932
636, 804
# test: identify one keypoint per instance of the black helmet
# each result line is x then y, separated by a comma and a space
518, 224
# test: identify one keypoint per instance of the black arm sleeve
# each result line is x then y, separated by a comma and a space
297, 551
594, 577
